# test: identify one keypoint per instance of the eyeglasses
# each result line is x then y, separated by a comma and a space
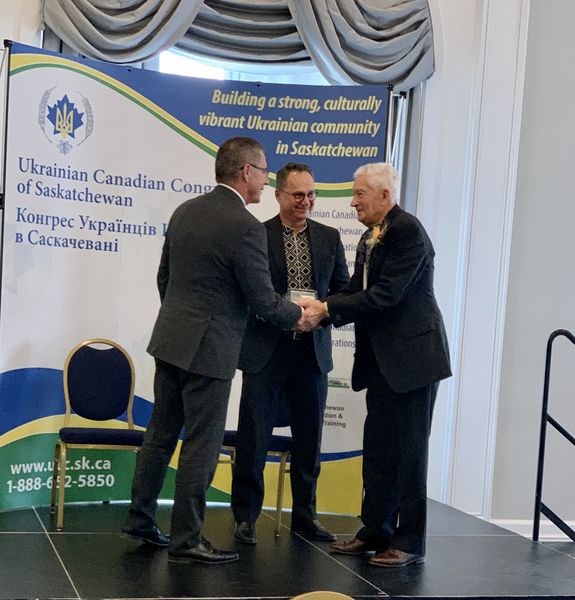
262, 169
301, 196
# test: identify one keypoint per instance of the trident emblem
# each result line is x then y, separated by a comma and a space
64, 121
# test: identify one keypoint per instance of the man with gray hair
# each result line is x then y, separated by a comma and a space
213, 268
401, 355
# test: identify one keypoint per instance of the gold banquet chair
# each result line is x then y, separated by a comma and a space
98, 386
280, 447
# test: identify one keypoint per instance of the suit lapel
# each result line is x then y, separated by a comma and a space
277, 259
380, 249
316, 249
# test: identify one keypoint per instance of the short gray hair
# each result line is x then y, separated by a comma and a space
233, 154
380, 176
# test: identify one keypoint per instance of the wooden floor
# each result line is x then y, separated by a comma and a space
466, 558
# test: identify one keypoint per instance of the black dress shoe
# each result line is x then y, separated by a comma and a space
313, 530
148, 535
245, 533
204, 552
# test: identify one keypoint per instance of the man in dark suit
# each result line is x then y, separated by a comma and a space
213, 268
286, 370
401, 355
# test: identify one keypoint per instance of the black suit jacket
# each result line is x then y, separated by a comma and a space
396, 315
329, 275
214, 265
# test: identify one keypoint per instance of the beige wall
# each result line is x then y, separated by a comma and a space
541, 281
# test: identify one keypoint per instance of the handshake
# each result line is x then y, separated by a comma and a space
314, 311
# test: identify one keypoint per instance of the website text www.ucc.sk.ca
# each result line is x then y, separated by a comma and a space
30, 478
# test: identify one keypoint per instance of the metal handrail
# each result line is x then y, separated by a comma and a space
540, 506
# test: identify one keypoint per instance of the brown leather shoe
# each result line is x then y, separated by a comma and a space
354, 546
395, 558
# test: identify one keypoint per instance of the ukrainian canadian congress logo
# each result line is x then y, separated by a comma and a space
66, 119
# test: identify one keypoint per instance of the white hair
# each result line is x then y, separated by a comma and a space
380, 176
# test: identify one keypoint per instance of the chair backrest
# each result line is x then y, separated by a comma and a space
99, 381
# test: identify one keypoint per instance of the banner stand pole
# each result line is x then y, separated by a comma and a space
4, 76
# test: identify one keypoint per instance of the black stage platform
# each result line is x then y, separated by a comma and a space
466, 557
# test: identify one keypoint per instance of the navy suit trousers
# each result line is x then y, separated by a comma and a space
290, 382
199, 404
395, 456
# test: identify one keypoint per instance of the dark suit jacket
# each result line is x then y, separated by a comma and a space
214, 266
397, 315
329, 275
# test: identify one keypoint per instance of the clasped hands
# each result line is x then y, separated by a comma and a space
314, 311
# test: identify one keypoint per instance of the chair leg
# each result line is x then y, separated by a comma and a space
61, 487
55, 466
280, 498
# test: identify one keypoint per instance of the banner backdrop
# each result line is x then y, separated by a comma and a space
97, 158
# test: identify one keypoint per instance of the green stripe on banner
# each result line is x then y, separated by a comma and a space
92, 475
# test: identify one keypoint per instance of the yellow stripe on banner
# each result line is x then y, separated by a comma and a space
343, 188
52, 425
24, 62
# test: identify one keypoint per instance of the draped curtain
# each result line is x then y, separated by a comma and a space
349, 41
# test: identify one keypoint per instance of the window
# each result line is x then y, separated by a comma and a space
179, 63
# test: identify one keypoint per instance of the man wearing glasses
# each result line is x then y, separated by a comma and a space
284, 371
213, 268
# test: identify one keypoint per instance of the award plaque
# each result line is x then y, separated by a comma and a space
294, 294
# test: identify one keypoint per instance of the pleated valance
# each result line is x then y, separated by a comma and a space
349, 41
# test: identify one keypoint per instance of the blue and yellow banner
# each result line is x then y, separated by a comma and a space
98, 156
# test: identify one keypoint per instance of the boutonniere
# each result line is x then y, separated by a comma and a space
377, 234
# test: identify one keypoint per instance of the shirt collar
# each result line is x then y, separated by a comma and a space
234, 191
290, 230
